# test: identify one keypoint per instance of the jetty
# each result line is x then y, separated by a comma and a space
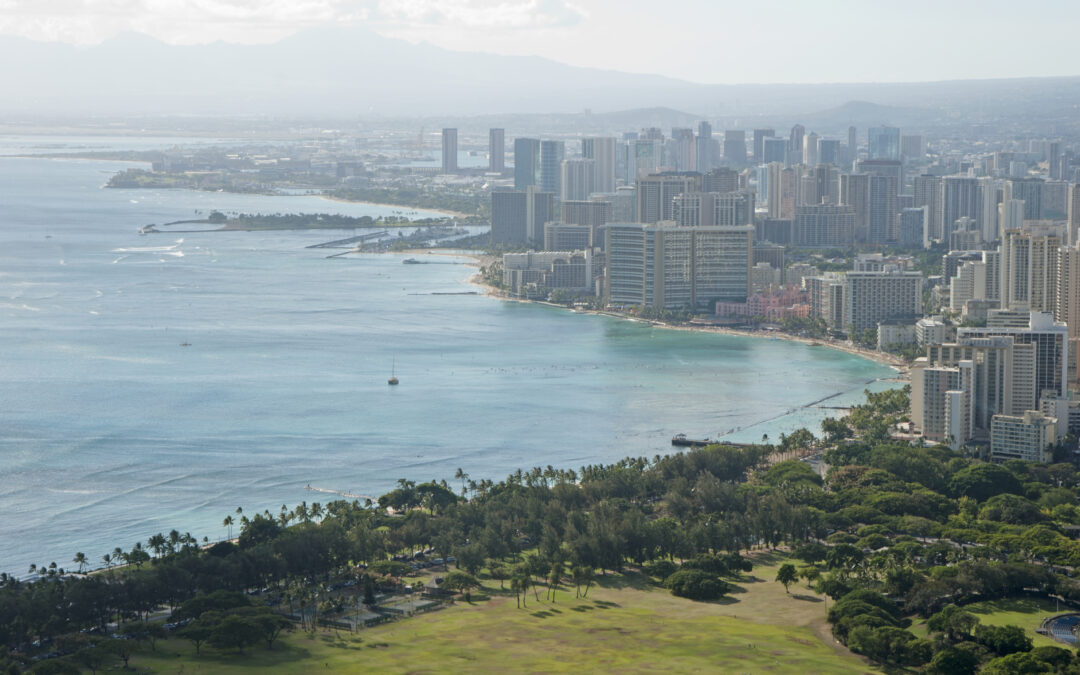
349, 241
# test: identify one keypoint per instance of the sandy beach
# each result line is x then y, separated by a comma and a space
483, 260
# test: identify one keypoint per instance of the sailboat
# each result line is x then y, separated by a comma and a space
393, 378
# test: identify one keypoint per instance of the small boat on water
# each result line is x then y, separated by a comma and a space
411, 261
393, 376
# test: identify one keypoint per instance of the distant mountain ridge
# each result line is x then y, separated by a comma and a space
350, 72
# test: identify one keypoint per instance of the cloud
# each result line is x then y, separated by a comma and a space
251, 21
480, 14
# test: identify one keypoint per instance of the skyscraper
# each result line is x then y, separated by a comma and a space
704, 151
928, 194
671, 267
810, 149
518, 216
449, 150
759, 144
496, 150
552, 154
795, 144
883, 143
656, 194
602, 151
959, 198
735, 147
852, 145
773, 150
526, 162
828, 152
578, 179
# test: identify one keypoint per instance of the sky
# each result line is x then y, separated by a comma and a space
708, 41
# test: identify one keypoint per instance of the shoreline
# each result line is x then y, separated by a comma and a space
479, 260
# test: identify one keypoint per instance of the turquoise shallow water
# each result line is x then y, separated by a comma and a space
111, 431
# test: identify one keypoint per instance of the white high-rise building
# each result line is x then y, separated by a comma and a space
578, 179
671, 267
602, 150
1026, 437
873, 297
1050, 338
1029, 270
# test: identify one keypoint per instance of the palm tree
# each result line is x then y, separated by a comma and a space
157, 544
463, 477
80, 560
107, 559
228, 522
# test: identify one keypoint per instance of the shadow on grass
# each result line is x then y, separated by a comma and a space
339, 642
542, 614
805, 598
767, 557
1021, 605
634, 580
605, 604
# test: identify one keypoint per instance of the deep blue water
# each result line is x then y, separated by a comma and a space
111, 431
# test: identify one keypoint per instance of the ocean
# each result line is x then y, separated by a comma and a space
152, 382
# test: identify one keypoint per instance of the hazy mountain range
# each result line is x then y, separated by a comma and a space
348, 73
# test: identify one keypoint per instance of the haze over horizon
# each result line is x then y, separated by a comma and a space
770, 42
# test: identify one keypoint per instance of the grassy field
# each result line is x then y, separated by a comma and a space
626, 624
1026, 613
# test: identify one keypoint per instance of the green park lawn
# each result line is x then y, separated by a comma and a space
626, 624
1026, 613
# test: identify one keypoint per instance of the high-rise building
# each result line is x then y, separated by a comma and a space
782, 189
518, 216
602, 151
829, 152
681, 150
884, 208
692, 209
720, 179
912, 148
496, 150
960, 197
565, 237
759, 145
852, 145
1029, 270
670, 267
1073, 214
855, 192
577, 179
824, 226
810, 149
773, 150
874, 297
883, 190
795, 142
1067, 297
656, 194
928, 194
913, 233
883, 143
1026, 437
526, 162
826, 298
735, 147
704, 148
1030, 190
449, 150
552, 154
1049, 337
1011, 214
